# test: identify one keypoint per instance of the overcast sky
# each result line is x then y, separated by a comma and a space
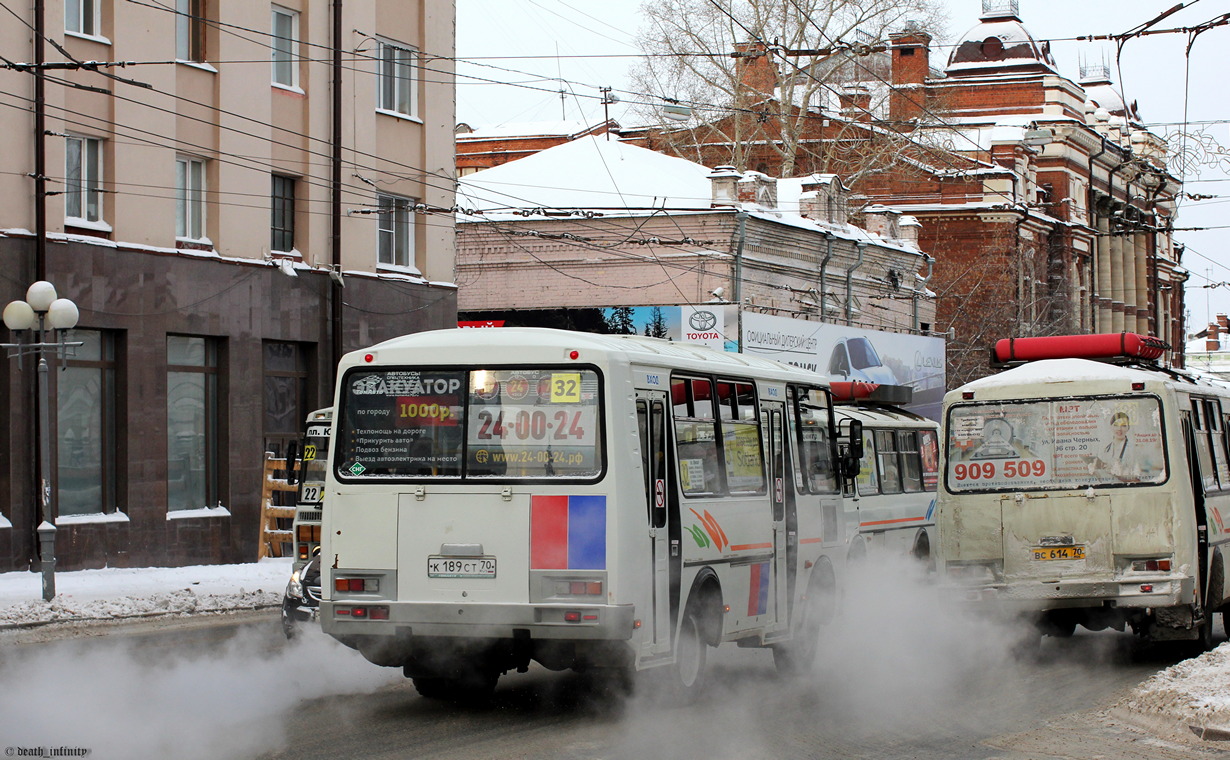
529, 46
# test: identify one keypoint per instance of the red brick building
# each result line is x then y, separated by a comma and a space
1046, 204
487, 147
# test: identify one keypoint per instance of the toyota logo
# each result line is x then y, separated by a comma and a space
702, 320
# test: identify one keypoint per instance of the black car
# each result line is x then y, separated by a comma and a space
302, 600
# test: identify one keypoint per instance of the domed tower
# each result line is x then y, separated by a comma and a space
1000, 44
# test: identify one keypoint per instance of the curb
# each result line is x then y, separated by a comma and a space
140, 616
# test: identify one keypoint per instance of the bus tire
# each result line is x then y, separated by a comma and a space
797, 657
688, 672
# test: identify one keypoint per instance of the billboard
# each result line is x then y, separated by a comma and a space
837, 351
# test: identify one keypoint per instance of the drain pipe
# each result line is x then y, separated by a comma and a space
925, 280
862, 247
742, 217
828, 254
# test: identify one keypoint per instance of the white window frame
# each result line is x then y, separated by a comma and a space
395, 231
190, 189
284, 50
83, 181
81, 17
397, 79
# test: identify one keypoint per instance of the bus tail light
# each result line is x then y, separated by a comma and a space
574, 585
363, 612
369, 585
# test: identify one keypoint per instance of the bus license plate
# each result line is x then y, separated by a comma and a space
460, 567
1058, 552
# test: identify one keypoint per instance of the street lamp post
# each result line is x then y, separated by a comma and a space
31, 320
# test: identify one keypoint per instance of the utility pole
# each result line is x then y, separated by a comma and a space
335, 237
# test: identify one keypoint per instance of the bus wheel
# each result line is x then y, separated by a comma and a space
690, 657
798, 657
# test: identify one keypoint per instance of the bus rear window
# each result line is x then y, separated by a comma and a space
1055, 444
475, 424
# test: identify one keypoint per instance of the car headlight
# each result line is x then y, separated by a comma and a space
295, 587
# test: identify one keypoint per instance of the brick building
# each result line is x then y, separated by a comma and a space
1046, 203
197, 211
485, 147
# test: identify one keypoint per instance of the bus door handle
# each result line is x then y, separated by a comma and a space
675, 547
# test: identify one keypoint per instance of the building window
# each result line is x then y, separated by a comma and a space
395, 77
285, 27
192, 422
83, 178
282, 217
86, 418
81, 17
189, 198
190, 30
395, 240
286, 393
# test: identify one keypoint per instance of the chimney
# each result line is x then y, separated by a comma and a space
759, 189
882, 221
909, 227
755, 69
1224, 322
910, 67
824, 199
1212, 341
855, 102
723, 183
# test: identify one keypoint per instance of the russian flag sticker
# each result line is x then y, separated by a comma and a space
568, 532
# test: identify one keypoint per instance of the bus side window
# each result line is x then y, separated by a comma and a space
741, 443
642, 429
890, 465
911, 463
869, 473
1217, 441
930, 451
1203, 451
696, 436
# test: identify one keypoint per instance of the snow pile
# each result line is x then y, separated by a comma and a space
1194, 692
116, 593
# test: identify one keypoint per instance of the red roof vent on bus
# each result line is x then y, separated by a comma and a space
1125, 347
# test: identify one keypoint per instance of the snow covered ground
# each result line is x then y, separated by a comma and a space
114, 593
1194, 693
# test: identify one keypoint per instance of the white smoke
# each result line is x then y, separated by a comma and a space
121, 701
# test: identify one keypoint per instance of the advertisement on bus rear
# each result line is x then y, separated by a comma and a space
1055, 444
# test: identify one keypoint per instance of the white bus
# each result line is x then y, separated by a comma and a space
894, 495
583, 501
1086, 492
313, 463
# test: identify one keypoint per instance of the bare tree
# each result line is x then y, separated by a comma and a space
758, 74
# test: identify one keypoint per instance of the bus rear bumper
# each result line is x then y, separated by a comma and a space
1138, 592
498, 621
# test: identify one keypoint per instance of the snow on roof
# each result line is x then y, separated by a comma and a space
1058, 371
999, 42
586, 173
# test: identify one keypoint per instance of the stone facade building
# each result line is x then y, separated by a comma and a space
229, 219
